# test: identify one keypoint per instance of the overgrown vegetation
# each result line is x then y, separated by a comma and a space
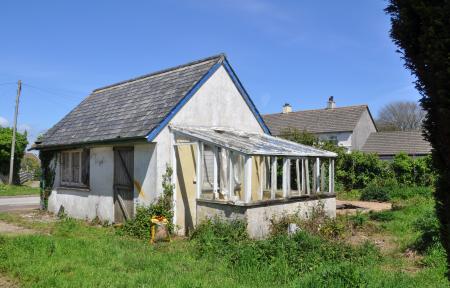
163, 206
48, 166
318, 254
5, 151
358, 170
322, 253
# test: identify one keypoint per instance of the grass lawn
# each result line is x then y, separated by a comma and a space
70, 253
16, 190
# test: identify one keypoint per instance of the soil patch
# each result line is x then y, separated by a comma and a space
6, 228
7, 282
351, 207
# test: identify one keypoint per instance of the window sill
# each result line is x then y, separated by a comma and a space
73, 188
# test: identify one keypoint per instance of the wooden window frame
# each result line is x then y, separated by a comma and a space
67, 184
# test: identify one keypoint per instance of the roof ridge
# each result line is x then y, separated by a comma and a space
318, 109
220, 57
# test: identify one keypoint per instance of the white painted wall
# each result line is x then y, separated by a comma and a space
145, 159
258, 218
217, 103
362, 130
95, 202
344, 138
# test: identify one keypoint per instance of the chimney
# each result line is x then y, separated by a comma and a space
331, 104
287, 108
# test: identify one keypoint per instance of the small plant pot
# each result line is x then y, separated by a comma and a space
159, 229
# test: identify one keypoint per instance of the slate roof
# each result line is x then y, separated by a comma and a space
391, 143
341, 119
128, 109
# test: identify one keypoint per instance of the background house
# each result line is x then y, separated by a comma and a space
387, 144
348, 126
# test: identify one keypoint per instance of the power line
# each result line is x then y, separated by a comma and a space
7, 83
54, 92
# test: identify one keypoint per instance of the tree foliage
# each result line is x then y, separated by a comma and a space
400, 116
5, 150
421, 30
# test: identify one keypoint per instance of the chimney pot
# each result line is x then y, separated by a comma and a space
331, 104
287, 108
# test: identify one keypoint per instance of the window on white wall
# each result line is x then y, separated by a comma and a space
333, 139
75, 168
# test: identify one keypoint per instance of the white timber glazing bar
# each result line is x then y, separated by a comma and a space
216, 173
303, 177
322, 177
331, 176
199, 168
286, 177
262, 177
273, 185
308, 187
248, 178
230, 175
297, 172
317, 180
174, 177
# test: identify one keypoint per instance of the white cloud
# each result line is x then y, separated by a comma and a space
4, 122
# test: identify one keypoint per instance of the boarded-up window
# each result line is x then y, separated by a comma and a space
75, 168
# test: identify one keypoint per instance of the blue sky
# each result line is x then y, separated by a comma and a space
299, 52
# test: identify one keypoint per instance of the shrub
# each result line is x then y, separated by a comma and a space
428, 226
406, 192
410, 171
375, 192
356, 170
317, 223
140, 226
281, 258
215, 234
5, 151
359, 219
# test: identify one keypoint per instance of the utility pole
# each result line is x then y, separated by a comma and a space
13, 142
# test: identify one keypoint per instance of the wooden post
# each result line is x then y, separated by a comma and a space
332, 176
174, 177
322, 177
262, 181
199, 168
308, 187
286, 177
317, 179
303, 177
216, 173
297, 172
13, 142
273, 185
231, 175
248, 178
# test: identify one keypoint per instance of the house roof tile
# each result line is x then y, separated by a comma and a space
340, 119
391, 143
128, 109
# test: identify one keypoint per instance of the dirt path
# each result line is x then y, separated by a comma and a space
7, 282
10, 229
344, 206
